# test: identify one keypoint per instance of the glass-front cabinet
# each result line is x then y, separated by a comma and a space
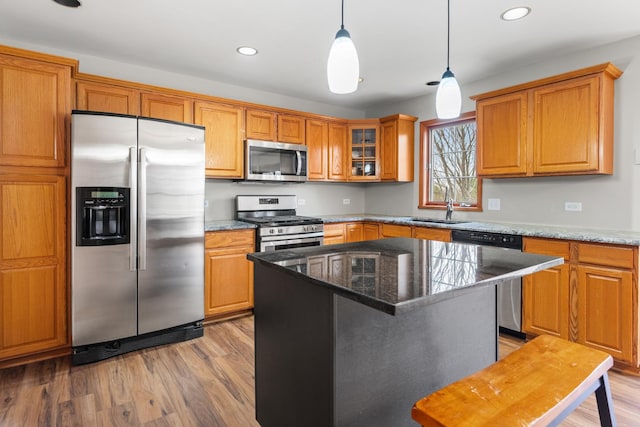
365, 151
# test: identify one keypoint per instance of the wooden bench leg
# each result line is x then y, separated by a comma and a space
605, 404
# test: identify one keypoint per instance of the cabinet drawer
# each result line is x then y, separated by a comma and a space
332, 230
440, 234
612, 256
391, 230
225, 239
546, 247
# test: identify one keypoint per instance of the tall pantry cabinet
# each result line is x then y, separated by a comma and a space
35, 102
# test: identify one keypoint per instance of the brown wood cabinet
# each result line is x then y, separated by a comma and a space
223, 139
228, 273
273, 126
354, 232
430, 233
107, 98
33, 267
395, 230
364, 150
561, 125
371, 231
317, 149
334, 233
337, 152
35, 98
592, 299
396, 147
167, 107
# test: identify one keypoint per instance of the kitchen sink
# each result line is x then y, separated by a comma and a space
438, 221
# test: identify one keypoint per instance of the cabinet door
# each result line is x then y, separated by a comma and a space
565, 128
334, 233
167, 107
545, 302
261, 125
439, 234
605, 304
291, 129
371, 231
502, 135
317, 149
393, 230
389, 151
33, 288
223, 139
228, 273
107, 98
35, 100
337, 155
364, 153
354, 232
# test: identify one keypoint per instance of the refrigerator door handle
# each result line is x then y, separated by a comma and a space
142, 198
133, 214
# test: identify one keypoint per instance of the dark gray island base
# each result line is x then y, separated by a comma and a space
354, 334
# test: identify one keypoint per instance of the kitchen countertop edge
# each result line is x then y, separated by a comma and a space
225, 225
618, 237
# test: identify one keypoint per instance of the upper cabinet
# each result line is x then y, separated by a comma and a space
107, 98
35, 97
561, 125
273, 126
396, 144
223, 138
167, 107
317, 149
364, 150
337, 152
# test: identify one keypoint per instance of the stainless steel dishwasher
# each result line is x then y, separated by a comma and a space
509, 295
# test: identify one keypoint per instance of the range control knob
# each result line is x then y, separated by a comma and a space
271, 231
279, 230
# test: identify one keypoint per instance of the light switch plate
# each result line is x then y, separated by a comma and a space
346, 201
573, 206
493, 204
302, 202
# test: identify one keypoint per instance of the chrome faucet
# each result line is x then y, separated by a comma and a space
449, 201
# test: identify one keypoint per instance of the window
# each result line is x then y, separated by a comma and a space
448, 163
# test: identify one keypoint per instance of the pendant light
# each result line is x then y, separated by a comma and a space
343, 67
448, 97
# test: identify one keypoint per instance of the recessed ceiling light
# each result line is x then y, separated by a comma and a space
69, 3
246, 50
515, 13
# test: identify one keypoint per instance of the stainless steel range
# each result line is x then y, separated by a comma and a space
278, 225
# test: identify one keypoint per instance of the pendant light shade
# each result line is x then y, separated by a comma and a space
448, 97
343, 67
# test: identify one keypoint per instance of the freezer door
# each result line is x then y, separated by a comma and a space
170, 225
103, 280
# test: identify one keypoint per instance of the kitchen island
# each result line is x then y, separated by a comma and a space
354, 334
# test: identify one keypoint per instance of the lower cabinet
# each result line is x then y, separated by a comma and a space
334, 233
371, 231
228, 273
33, 266
426, 233
589, 299
354, 232
394, 230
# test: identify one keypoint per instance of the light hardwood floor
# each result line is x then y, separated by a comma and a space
203, 382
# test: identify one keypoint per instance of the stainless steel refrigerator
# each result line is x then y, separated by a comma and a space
137, 203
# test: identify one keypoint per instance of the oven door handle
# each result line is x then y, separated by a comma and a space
273, 245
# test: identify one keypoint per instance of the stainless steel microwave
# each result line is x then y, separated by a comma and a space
275, 161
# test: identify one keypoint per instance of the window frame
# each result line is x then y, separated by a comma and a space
425, 164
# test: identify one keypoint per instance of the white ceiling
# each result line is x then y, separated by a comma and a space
401, 44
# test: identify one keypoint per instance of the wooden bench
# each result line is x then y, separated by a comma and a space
536, 385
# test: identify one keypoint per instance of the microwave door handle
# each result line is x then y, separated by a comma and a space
133, 197
299, 157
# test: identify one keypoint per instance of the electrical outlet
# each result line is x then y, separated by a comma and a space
346, 201
494, 204
573, 206
302, 202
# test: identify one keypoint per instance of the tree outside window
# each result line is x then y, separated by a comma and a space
448, 163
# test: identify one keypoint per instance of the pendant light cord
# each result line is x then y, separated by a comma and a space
448, 28
342, 21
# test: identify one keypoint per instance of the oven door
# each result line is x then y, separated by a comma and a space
276, 243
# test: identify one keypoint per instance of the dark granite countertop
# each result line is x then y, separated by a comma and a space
399, 274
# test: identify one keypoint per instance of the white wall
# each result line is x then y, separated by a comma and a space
607, 201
